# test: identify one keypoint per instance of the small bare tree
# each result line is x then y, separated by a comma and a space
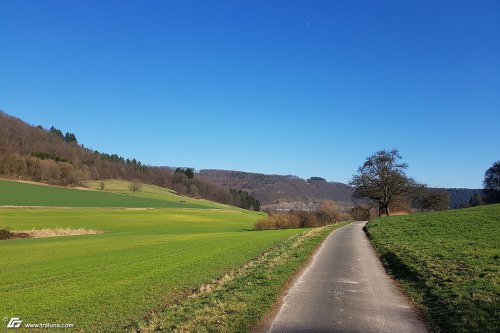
361, 212
135, 186
328, 213
426, 199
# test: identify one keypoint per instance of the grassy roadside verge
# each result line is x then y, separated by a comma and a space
236, 301
448, 263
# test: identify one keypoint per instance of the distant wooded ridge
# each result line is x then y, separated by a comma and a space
292, 192
284, 192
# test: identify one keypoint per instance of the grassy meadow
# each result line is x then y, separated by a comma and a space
24, 194
105, 281
144, 261
448, 262
148, 191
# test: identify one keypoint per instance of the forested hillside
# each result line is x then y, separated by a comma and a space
461, 197
284, 192
292, 192
51, 156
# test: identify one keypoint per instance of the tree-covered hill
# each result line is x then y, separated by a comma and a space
283, 192
461, 197
292, 192
53, 157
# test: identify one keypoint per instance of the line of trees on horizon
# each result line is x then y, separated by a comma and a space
382, 180
491, 187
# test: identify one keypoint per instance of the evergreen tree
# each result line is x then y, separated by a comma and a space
70, 137
56, 131
476, 200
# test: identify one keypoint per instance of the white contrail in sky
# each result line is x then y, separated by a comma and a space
308, 27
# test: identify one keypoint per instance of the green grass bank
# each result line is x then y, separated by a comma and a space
14, 193
448, 262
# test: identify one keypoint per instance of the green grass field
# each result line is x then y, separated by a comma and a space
448, 262
144, 260
118, 186
22, 194
238, 300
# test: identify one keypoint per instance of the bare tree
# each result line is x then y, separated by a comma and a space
328, 212
426, 199
135, 186
492, 177
400, 204
491, 193
382, 178
361, 213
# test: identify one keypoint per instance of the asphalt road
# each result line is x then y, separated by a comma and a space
345, 289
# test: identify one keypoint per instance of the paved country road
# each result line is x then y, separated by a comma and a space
345, 289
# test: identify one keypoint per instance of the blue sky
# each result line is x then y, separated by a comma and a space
309, 88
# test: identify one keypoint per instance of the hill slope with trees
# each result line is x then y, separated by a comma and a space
51, 156
461, 197
283, 192
291, 192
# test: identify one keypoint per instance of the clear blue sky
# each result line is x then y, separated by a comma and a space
308, 88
